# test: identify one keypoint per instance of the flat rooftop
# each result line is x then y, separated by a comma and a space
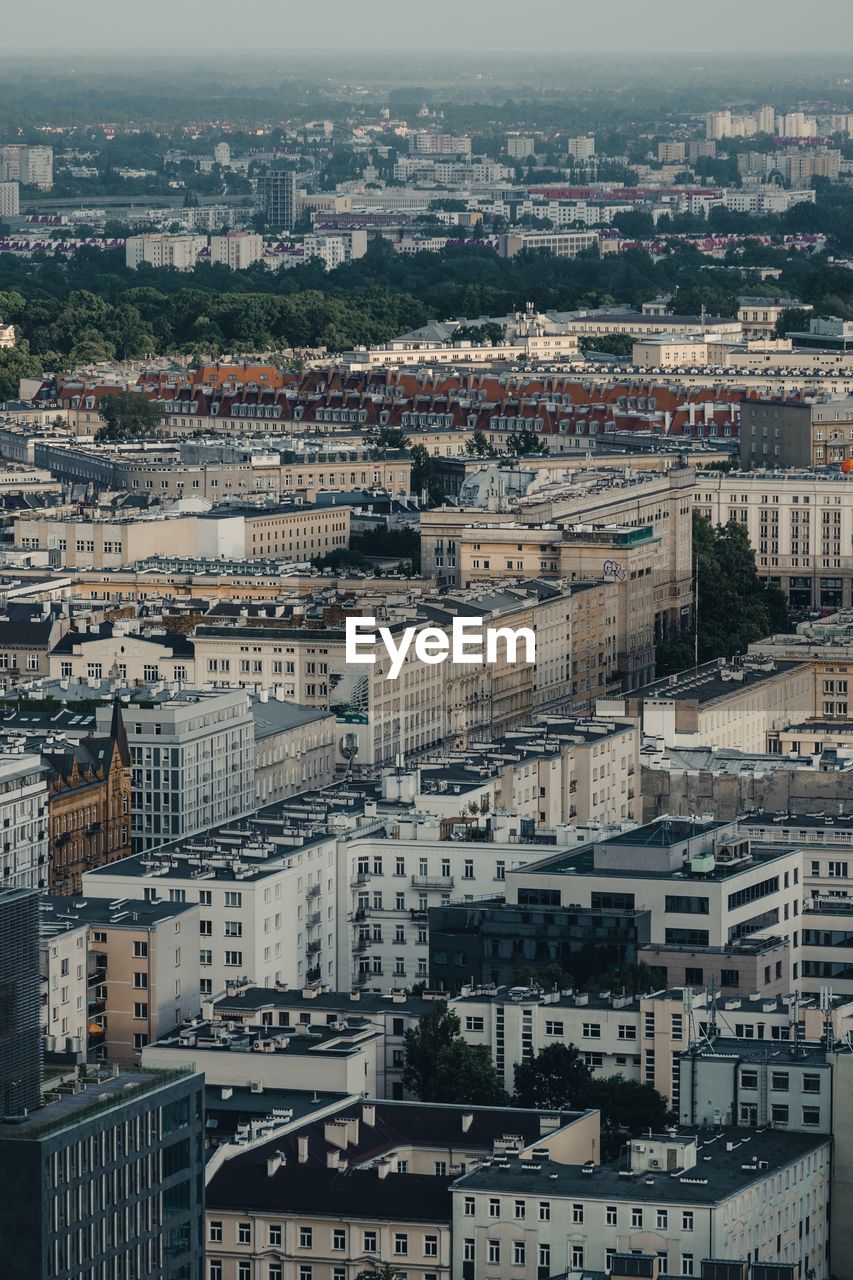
99, 1094
712, 680
719, 1173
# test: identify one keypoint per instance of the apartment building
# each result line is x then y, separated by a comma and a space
795, 433
759, 316
561, 244
597, 504
126, 1151
192, 759
142, 968
392, 1015
287, 1199
268, 909
337, 1058
25, 645
800, 525
295, 748
88, 805
64, 969
178, 251
237, 250
677, 869
721, 705
783, 1086
685, 1196
100, 543
24, 851
110, 651
276, 198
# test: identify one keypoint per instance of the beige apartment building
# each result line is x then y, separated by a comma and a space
96, 543
800, 525
659, 501
735, 705
104, 653
142, 969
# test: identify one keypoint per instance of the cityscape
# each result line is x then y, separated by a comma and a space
426, 585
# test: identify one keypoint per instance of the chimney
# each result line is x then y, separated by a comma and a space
263, 695
467, 1120
383, 1168
302, 1144
368, 1114
274, 1163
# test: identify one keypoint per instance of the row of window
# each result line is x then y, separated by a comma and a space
338, 1238
577, 1210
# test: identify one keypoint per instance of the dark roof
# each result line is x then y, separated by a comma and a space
31, 634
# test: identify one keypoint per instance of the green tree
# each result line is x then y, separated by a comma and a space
611, 344
792, 320
557, 1078
390, 438
522, 442
442, 1067
129, 415
380, 1271
477, 445
16, 363
736, 607
628, 1108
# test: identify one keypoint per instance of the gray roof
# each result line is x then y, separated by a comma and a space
276, 715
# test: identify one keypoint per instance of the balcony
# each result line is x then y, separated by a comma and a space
314, 919
432, 882
360, 945
314, 975
416, 914
313, 891
361, 877
314, 946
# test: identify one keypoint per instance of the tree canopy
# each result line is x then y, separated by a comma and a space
442, 1067
736, 606
128, 415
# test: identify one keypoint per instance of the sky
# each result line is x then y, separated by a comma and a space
526, 26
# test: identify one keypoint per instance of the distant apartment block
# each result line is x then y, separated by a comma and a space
180, 251
237, 249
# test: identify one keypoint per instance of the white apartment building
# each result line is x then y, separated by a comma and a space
237, 249
684, 1197
64, 964
561, 244
581, 148
9, 200
180, 251
111, 653
267, 910
703, 882
23, 822
193, 760
335, 248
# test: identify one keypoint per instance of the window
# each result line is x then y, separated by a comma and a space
214, 1234
244, 1269
520, 1210
636, 1217
591, 1030
339, 1238
577, 1257
244, 1233
140, 1011
306, 1271
370, 1241
214, 1269
661, 1219
544, 1210
687, 1220
274, 1236
811, 1084
687, 1264
518, 1253
545, 1257
494, 1251
430, 1246
610, 1215
627, 1031
140, 950
233, 929
474, 1024
494, 1208
779, 1081
234, 959
577, 1213
811, 1116
749, 1079
233, 899
140, 981
779, 1113
401, 1243
469, 1206
468, 1250
553, 1028
306, 1237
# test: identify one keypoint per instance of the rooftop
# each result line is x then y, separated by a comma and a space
100, 1093
728, 1162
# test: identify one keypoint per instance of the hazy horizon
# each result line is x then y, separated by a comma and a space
550, 27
